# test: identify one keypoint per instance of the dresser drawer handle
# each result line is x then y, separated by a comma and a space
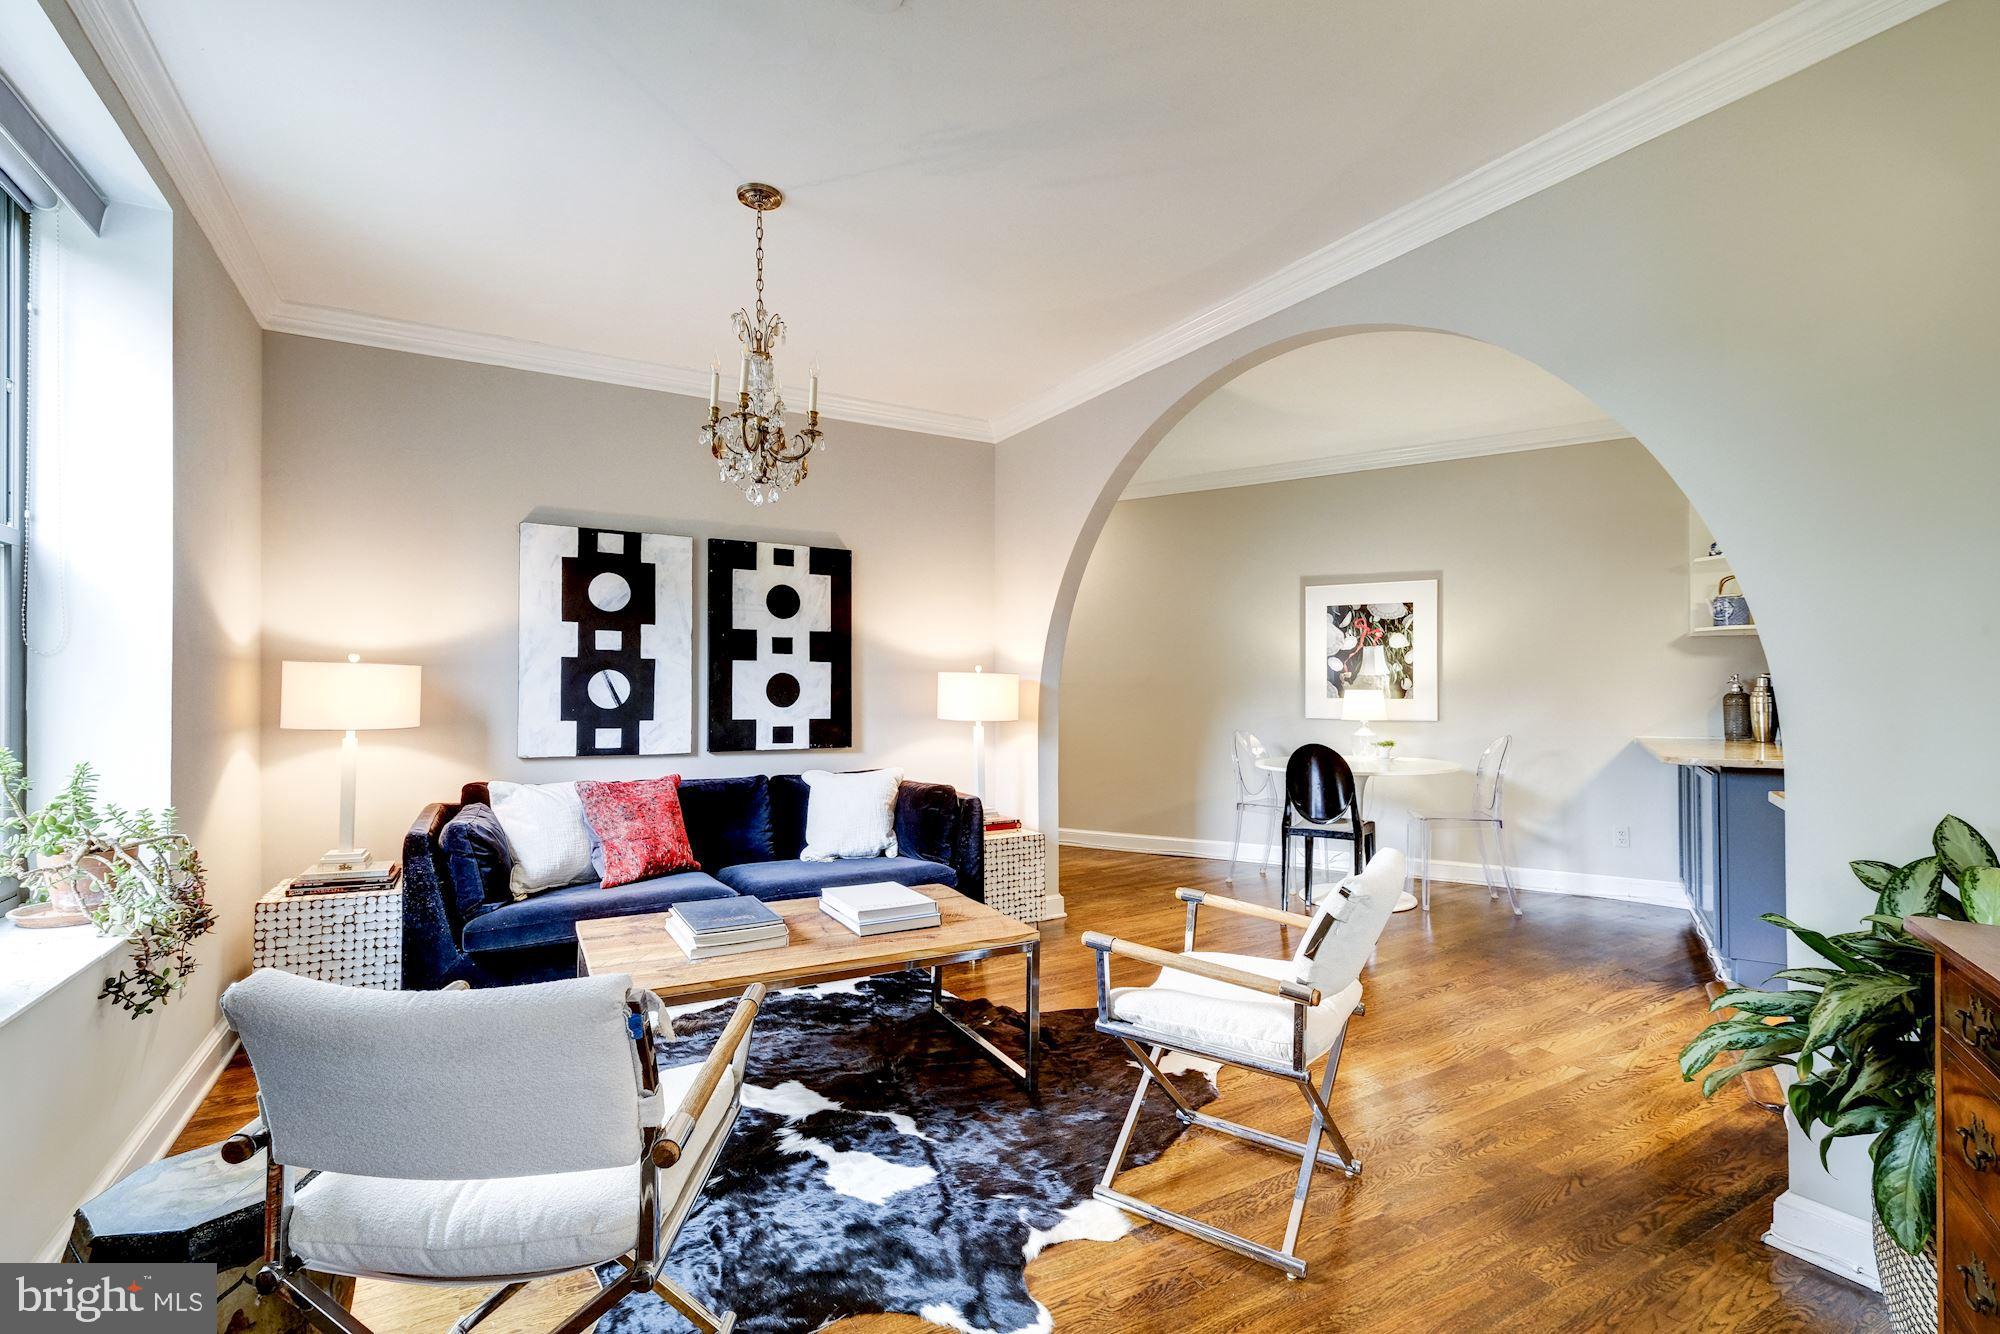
1975, 1143
1979, 1294
1976, 1024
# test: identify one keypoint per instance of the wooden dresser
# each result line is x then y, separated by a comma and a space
1968, 1082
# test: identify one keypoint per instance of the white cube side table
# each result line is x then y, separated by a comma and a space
1017, 879
354, 937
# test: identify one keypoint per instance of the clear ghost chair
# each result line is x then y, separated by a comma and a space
1487, 785
1256, 789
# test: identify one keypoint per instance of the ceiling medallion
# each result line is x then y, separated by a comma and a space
750, 444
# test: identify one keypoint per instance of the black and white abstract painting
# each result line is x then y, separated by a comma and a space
780, 647
607, 635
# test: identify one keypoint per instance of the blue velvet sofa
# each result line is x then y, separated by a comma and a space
460, 922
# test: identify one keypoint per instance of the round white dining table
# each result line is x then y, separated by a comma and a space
1403, 766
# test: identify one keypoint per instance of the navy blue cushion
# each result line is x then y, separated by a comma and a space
788, 815
803, 880
478, 856
926, 818
550, 917
728, 820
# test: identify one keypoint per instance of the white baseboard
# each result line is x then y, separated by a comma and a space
1583, 884
1053, 909
1837, 1242
164, 1123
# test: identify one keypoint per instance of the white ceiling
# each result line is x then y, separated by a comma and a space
995, 209
1368, 401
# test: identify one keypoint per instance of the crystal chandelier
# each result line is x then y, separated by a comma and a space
749, 443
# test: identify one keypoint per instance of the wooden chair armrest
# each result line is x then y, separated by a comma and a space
1296, 992
667, 1148
246, 1143
1202, 898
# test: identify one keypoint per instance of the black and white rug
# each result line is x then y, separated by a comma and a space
882, 1163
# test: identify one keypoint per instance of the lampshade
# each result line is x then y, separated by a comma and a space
1358, 704
979, 697
348, 696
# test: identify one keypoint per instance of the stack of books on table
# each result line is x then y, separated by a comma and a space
345, 880
710, 928
878, 907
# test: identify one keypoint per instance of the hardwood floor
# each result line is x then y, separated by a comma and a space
1532, 1159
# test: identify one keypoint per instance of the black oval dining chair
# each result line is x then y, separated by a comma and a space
1320, 793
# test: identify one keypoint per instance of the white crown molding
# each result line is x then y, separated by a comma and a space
1400, 454
350, 326
1806, 33
119, 34
1786, 43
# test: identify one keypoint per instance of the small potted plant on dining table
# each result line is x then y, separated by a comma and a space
1860, 1037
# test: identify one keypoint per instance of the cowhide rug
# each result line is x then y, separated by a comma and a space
883, 1163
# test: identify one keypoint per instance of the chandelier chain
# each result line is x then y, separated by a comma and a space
760, 266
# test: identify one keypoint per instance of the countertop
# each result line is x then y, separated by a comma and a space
1714, 753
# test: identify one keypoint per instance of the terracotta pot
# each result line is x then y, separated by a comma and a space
85, 886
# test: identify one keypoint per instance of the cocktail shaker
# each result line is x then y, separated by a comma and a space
1763, 711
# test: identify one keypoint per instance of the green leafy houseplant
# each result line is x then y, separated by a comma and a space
133, 872
1859, 1034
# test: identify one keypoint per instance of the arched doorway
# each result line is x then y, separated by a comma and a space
1565, 603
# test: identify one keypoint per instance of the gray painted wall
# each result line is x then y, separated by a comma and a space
86, 1083
394, 485
1563, 618
1790, 302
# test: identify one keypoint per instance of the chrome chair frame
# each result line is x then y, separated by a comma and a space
1147, 1047
1488, 790
1266, 794
284, 1274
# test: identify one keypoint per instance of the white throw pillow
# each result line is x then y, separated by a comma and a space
545, 827
850, 815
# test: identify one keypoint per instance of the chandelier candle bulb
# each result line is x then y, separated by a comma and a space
812, 390
714, 385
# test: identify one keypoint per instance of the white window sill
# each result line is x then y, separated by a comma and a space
34, 963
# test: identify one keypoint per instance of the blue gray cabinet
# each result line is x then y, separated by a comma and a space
1733, 866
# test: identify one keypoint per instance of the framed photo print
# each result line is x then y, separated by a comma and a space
1379, 635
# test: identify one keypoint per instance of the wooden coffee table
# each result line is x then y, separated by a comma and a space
822, 950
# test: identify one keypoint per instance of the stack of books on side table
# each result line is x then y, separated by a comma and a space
710, 928
346, 879
878, 907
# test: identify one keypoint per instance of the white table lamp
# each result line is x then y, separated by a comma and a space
352, 696
1364, 705
979, 697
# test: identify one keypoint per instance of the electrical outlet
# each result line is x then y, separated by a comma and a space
1621, 837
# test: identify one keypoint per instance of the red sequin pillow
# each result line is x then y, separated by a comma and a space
637, 831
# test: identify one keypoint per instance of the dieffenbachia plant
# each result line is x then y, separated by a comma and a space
1859, 1034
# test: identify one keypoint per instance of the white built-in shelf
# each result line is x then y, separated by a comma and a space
1704, 573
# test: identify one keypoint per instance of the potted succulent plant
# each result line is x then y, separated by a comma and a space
130, 873
1859, 1036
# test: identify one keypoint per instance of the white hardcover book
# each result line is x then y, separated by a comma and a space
696, 950
880, 900
860, 928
